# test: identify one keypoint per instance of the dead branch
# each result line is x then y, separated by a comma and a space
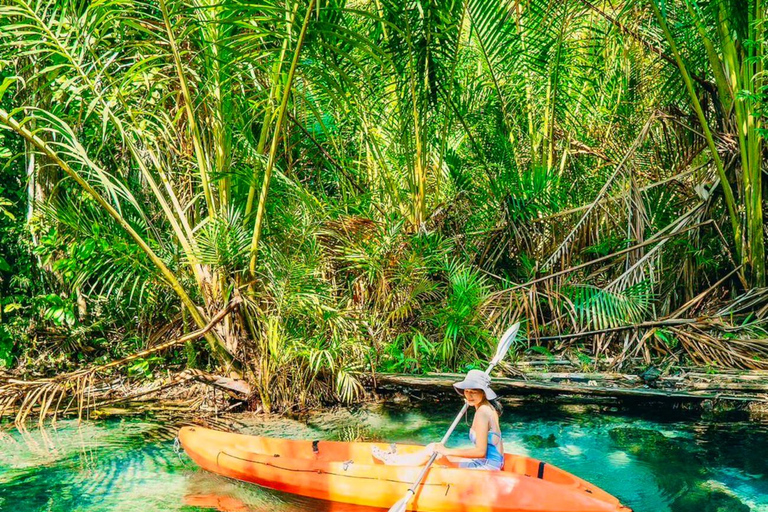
43, 397
561, 249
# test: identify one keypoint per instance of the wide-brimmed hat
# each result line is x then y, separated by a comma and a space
476, 379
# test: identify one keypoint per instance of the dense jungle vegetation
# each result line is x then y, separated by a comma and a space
329, 187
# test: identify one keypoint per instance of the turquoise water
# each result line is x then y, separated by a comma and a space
653, 464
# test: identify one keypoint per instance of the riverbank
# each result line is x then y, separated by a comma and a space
194, 393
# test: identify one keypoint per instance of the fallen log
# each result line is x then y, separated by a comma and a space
444, 381
757, 383
581, 377
234, 386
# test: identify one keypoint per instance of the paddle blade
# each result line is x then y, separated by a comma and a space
505, 342
400, 505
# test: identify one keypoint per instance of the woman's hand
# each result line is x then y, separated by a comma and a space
438, 448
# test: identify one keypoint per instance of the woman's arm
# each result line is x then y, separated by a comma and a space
480, 426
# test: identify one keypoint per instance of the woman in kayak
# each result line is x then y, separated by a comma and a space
485, 434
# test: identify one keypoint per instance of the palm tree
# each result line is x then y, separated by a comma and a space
361, 172
731, 38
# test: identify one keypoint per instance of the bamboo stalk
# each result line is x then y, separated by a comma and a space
275, 139
419, 206
730, 202
268, 113
169, 276
202, 158
754, 80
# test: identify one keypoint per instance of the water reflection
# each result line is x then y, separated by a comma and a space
212, 492
686, 471
652, 463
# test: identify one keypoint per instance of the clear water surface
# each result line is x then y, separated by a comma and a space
651, 463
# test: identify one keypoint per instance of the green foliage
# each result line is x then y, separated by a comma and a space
543, 351
667, 338
144, 367
224, 242
464, 332
601, 309
59, 311
378, 184
6, 347
410, 352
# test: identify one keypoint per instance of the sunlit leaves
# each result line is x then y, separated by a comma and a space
596, 308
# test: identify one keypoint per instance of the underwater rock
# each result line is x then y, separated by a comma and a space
706, 499
537, 441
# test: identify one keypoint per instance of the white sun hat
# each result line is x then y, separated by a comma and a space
476, 379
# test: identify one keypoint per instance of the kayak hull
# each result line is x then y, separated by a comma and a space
347, 473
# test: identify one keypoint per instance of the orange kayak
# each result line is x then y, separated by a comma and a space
348, 473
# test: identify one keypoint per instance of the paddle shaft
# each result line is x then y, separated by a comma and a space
504, 343
447, 436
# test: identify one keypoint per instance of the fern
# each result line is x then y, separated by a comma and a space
596, 308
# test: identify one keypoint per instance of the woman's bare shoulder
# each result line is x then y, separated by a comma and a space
486, 411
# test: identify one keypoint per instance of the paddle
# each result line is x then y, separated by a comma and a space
504, 343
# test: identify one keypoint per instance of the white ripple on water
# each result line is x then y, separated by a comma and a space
750, 489
571, 450
619, 459
745, 493
672, 434
576, 434
516, 446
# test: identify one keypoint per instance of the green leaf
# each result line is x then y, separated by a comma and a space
4, 266
6, 347
10, 308
543, 351
5, 85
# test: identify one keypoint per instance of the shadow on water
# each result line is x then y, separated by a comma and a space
701, 473
213, 492
655, 462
